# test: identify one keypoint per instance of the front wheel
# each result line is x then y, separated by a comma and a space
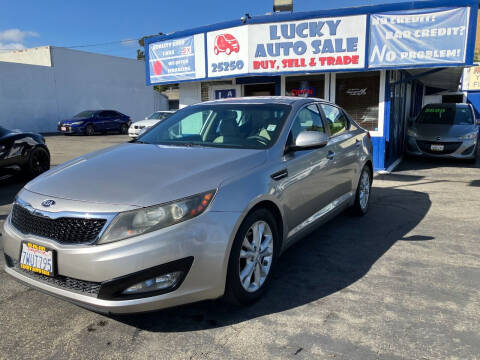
362, 197
252, 258
38, 162
89, 130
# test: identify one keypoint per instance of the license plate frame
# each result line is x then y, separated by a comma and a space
437, 147
37, 252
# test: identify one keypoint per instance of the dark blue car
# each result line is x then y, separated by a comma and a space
90, 122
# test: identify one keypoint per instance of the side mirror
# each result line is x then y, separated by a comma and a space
146, 117
308, 140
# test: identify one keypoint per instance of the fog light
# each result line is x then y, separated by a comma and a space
157, 283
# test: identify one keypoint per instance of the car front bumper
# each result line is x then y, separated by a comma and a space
203, 241
71, 129
453, 148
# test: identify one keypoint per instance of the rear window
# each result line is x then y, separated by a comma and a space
446, 115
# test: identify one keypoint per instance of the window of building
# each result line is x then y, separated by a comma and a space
358, 94
305, 86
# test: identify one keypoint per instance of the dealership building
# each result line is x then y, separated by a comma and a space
380, 63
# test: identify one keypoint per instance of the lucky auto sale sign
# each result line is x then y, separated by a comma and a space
298, 46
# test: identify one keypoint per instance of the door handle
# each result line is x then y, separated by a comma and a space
330, 155
358, 142
279, 175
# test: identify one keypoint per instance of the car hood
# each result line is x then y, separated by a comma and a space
147, 122
443, 131
144, 174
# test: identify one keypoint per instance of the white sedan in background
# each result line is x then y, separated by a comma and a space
139, 127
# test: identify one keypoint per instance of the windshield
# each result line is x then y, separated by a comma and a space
3, 131
247, 126
84, 114
159, 115
446, 115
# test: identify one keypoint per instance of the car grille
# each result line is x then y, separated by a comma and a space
65, 230
448, 147
64, 282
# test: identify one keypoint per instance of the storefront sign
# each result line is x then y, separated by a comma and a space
471, 78
303, 92
314, 44
418, 37
177, 59
225, 93
227, 51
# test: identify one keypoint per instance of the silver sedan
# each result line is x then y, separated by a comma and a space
199, 207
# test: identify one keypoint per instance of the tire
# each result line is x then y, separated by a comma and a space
228, 51
360, 206
89, 130
38, 162
253, 285
124, 129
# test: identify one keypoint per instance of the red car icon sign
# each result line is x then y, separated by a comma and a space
226, 43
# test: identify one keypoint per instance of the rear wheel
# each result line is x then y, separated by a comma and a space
362, 197
252, 258
89, 130
124, 129
38, 162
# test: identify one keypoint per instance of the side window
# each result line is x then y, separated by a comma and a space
103, 114
336, 120
308, 119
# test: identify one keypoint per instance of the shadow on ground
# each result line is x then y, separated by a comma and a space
424, 163
329, 260
10, 185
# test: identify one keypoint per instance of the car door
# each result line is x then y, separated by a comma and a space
306, 189
116, 120
345, 147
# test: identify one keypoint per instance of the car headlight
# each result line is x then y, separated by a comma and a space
411, 132
77, 123
469, 136
141, 221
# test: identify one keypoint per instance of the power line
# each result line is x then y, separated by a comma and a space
85, 45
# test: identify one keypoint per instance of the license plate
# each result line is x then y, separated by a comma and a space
37, 258
437, 147
63, 128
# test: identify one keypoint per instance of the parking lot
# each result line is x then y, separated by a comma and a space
403, 282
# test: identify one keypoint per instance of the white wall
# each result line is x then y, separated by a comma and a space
35, 98
189, 93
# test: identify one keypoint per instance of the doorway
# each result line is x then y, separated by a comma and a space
259, 89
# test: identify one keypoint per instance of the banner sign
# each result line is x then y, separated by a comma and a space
300, 46
225, 93
177, 59
412, 38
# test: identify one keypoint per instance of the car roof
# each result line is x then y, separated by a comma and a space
286, 100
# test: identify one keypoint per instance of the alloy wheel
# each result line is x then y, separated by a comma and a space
364, 192
256, 256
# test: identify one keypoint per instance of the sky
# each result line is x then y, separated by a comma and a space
81, 24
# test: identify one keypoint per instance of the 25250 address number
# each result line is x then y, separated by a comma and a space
227, 66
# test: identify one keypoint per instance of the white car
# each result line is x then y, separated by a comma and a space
139, 127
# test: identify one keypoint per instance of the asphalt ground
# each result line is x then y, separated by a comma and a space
402, 282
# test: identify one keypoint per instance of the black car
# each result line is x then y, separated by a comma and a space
23, 150
90, 122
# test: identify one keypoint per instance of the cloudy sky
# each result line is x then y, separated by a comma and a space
112, 27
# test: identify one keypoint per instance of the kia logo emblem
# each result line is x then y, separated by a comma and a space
48, 203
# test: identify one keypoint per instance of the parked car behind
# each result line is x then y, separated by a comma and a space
139, 127
444, 130
24, 150
90, 122
200, 206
